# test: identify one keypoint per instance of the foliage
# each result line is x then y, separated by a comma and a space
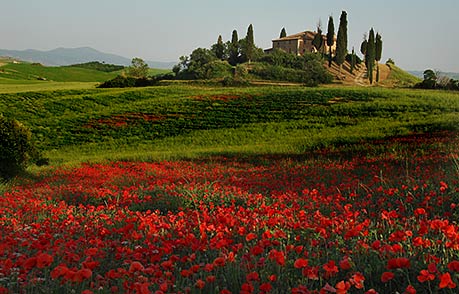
318, 41
217, 69
341, 42
434, 81
370, 55
219, 49
378, 53
129, 82
96, 65
138, 69
282, 66
330, 39
234, 49
283, 33
247, 45
16, 147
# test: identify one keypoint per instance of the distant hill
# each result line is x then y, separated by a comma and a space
69, 56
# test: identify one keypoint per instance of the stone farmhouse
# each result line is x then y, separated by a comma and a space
300, 43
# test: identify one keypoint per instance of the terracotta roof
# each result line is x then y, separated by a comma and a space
297, 36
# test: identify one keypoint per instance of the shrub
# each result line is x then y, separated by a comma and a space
127, 82
16, 148
235, 82
217, 69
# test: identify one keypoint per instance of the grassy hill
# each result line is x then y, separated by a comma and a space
185, 121
33, 72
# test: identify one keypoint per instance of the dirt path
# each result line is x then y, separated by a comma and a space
360, 78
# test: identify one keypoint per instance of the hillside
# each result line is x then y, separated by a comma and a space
34, 72
68, 56
390, 76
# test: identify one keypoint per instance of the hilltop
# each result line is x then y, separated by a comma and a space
69, 56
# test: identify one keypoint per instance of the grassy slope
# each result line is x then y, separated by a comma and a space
400, 78
189, 121
27, 71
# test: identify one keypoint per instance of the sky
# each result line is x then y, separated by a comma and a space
417, 34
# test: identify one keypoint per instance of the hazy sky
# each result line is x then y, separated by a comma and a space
417, 34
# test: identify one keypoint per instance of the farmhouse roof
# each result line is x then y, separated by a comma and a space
297, 36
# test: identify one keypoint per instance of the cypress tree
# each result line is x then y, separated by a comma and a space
250, 44
352, 60
330, 39
378, 54
234, 49
318, 40
370, 55
283, 33
341, 41
219, 48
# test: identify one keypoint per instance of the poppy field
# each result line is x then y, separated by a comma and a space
332, 221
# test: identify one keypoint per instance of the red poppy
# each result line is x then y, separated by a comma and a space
135, 266
219, 261
342, 287
266, 287
250, 236
425, 276
410, 290
453, 266
44, 260
446, 281
300, 263
387, 276
400, 262
200, 284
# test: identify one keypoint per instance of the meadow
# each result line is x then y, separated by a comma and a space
201, 189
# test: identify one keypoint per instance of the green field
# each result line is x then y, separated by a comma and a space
176, 121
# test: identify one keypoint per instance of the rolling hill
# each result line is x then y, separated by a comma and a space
68, 56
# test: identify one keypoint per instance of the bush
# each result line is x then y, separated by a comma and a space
128, 82
235, 82
16, 148
217, 69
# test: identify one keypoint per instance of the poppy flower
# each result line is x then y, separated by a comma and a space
410, 290
446, 281
387, 276
453, 266
200, 284
135, 266
44, 260
300, 263
400, 262
425, 276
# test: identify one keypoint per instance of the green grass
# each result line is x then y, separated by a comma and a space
29, 71
400, 78
177, 121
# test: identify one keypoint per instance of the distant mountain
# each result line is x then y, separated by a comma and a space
69, 56
420, 74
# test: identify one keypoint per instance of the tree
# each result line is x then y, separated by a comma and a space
378, 53
234, 49
352, 61
330, 39
341, 41
138, 68
370, 55
219, 48
283, 33
318, 40
247, 45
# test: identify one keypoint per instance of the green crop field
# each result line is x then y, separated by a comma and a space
188, 121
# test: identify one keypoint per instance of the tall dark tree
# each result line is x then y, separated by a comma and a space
249, 45
341, 41
371, 55
219, 48
352, 61
283, 33
234, 49
318, 40
330, 39
378, 53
